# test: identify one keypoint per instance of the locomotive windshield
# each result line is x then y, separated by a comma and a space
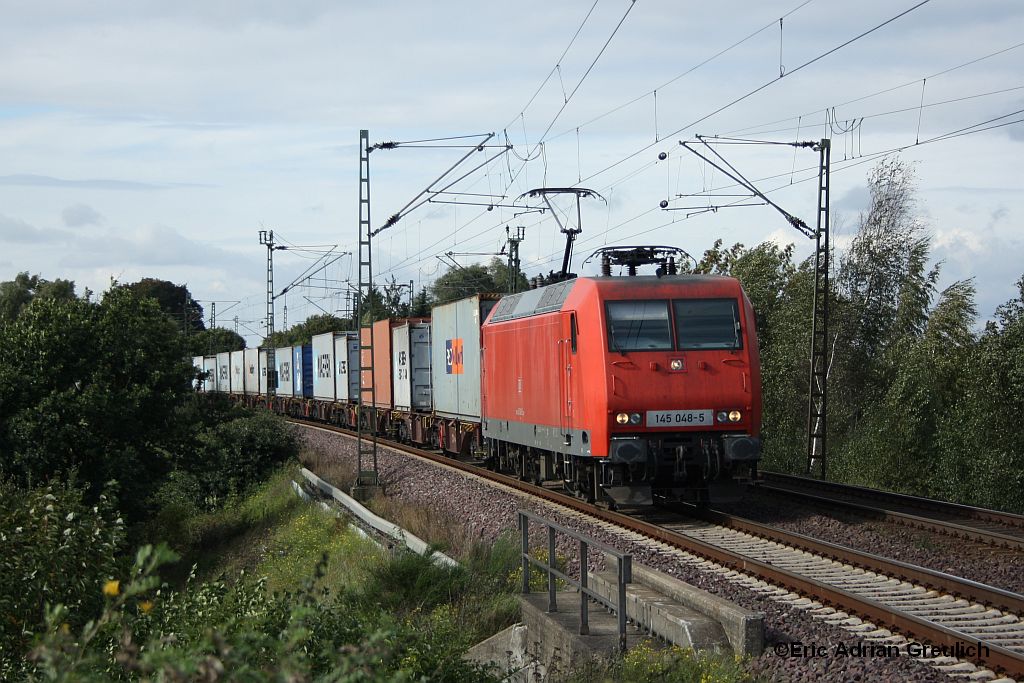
707, 324
639, 326
700, 325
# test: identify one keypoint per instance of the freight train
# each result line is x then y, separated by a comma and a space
627, 389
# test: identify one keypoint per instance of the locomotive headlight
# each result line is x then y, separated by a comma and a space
723, 416
676, 364
634, 419
735, 415
622, 418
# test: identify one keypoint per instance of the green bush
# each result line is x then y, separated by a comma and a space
234, 456
218, 631
56, 549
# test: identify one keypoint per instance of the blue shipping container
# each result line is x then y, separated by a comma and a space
302, 367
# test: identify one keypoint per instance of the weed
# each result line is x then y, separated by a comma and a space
645, 663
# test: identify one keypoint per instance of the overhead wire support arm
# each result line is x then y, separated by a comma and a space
308, 275
444, 190
817, 395
737, 177
401, 212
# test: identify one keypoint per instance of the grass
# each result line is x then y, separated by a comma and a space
443, 531
645, 663
337, 473
274, 535
271, 533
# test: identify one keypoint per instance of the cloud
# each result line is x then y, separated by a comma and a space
156, 245
32, 180
81, 214
14, 230
855, 200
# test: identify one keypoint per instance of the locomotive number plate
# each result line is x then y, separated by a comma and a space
679, 418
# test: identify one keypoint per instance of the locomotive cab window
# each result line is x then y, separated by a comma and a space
703, 324
638, 326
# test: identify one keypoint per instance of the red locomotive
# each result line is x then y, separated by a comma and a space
626, 387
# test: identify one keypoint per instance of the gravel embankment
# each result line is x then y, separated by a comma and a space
488, 512
976, 561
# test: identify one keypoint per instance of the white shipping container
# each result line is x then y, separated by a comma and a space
224, 372
346, 366
410, 366
197, 363
283, 360
263, 372
210, 367
455, 356
237, 372
323, 366
251, 383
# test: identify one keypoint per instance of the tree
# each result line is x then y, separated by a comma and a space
501, 274
421, 304
92, 387
174, 300
460, 282
19, 292
982, 458
214, 340
303, 333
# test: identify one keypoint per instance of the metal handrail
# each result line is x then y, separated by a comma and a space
624, 564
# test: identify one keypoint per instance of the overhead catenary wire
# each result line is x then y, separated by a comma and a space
979, 127
790, 173
737, 100
891, 112
750, 130
761, 87
556, 66
693, 68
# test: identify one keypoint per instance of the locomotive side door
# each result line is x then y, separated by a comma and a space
567, 361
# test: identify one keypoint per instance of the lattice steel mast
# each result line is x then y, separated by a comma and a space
817, 401
267, 238
817, 395
366, 443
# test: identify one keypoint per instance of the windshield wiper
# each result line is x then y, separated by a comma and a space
614, 341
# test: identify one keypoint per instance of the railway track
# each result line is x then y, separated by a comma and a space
1000, 529
887, 602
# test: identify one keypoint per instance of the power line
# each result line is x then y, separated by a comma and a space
556, 66
902, 110
883, 91
724, 107
669, 82
632, 4
761, 87
840, 166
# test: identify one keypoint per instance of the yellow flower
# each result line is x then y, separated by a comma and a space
146, 606
112, 588
65, 628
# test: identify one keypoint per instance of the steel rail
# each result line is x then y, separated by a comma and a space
955, 510
939, 526
988, 655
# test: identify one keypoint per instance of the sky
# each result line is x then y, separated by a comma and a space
152, 139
